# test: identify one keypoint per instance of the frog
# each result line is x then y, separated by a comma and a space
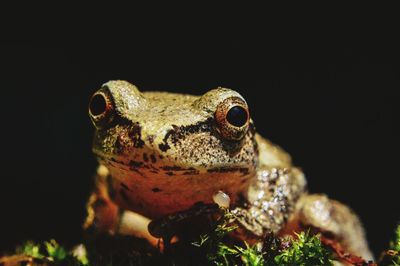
162, 153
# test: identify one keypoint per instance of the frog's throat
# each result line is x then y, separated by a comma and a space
170, 190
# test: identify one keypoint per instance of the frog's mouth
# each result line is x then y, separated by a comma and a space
150, 167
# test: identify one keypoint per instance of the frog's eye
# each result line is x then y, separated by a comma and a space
237, 116
97, 105
100, 108
232, 116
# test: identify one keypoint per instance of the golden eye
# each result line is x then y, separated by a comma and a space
101, 108
232, 116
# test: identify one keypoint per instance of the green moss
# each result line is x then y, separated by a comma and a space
395, 244
305, 250
211, 245
214, 247
55, 251
51, 253
391, 257
251, 256
32, 249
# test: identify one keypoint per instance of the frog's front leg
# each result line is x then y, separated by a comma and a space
106, 216
334, 220
277, 203
269, 202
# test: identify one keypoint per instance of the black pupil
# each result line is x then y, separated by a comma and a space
237, 116
97, 105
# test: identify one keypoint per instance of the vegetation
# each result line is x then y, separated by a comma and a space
52, 253
391, 257
210, 248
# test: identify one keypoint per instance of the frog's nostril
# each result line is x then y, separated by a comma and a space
98, 105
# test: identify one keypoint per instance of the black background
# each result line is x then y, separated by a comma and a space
323, 91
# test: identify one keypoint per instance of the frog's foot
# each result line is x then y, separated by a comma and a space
103, 215
185, 222
102, 212
334, 220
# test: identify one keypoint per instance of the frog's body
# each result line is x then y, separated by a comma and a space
161, 153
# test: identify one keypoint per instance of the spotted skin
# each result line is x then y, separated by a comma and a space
166, 152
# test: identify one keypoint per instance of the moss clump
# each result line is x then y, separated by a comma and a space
305, 250
51, 253
214, 247
391, 257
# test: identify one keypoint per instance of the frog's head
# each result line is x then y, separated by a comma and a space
159, 142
